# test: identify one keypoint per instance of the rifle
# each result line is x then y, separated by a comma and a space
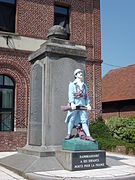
68, 107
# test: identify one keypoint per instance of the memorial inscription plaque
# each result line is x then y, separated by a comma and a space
35, 120
88, 160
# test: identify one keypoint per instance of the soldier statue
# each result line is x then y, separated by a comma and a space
78, 97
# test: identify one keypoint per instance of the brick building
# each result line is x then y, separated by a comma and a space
24, 26
118, 92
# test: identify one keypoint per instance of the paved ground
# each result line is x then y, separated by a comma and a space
120, 167
6, 174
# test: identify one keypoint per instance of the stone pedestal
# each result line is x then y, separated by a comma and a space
78, 154
81, 160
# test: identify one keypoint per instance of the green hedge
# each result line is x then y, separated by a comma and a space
106, 141
99, 129
122, 128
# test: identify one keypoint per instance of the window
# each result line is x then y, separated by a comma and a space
61, 17
7, 15
6, 103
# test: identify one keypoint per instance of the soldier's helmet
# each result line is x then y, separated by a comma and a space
77, 71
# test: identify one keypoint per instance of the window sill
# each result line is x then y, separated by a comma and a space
7, 34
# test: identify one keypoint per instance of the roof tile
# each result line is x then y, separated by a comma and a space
119, 84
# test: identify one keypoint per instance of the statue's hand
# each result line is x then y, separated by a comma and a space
73, 106
88, 107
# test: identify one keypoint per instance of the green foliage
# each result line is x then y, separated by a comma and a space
101, 132
99, 129
106, 141
122, 128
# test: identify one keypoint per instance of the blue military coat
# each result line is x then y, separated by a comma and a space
81, 100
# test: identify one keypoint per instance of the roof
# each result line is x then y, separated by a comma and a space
119, 84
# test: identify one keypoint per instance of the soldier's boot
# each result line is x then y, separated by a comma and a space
89, 138
69, 136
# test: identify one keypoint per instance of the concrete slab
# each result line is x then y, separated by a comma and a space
122, 167
22, 163
108, 173
6, 174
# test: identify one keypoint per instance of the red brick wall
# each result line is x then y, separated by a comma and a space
93, 79
106, 116
93, 63
10, 141
15, 65
35, 17
127, 111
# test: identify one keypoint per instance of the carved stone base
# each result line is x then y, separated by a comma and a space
81, 160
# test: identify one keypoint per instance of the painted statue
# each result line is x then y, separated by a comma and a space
79, 103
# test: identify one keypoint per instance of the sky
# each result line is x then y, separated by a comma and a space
117, 33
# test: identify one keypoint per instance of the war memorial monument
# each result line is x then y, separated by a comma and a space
47, 148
